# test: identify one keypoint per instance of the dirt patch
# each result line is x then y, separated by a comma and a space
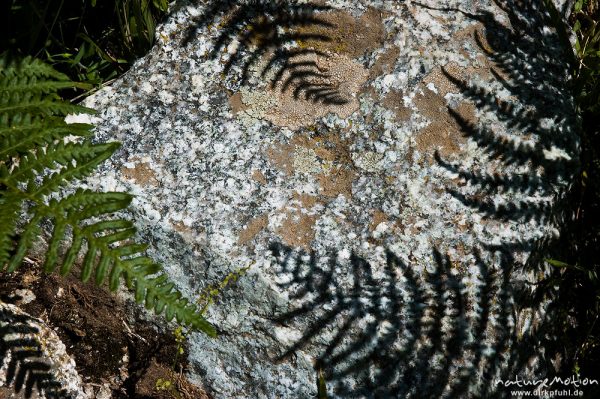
170, 384
112, 347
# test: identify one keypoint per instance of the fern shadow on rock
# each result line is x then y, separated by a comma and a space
263, 36
537, 158
386, 332
27, 369
536, 161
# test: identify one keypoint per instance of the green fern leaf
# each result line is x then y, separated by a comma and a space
36, 163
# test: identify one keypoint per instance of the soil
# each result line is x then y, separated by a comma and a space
109, 341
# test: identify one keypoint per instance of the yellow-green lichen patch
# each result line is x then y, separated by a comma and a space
369, 161
306, 161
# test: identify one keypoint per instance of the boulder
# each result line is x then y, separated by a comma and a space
377, 173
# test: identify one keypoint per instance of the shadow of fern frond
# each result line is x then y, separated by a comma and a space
539, 143
392, 332
530, 150
28, 368
265, 35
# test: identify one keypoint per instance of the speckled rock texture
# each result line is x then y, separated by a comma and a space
385, 169
33, 360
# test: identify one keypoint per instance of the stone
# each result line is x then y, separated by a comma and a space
48, 364
383, 169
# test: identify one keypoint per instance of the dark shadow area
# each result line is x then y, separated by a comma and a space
397, 334
265, 35
27, 369
90, 41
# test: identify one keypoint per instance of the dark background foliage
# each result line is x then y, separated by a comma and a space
90, 41
576, 255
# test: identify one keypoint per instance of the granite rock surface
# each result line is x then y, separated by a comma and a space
384, 170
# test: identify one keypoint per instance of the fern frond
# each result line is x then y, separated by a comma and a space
19, 137
36, 164
10, 207
31, 112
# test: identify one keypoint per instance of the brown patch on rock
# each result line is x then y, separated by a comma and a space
394, 102
385, 62
483, 66
236, 103
317, 84
443, 133
337, 181
306, 201
297, 230
333, 91
258, 176
182, 228
253, 227
378, 218
333, 169
348, 35
441, 82
282, 158
141, 174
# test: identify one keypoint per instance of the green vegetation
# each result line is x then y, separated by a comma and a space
50, 51
88, 40
37, 160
